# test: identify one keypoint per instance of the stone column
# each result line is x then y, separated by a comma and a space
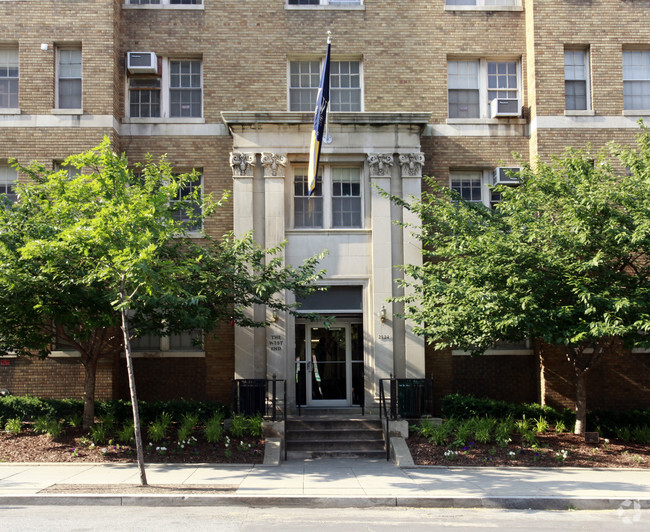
411, 174
243, 165
273, 165
380, 169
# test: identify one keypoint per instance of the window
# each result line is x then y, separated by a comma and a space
185, 341
69, 78
468, 185
171, 2
190, 211
8, 78
335, 203
8, 178
185, 89
483, 3
345, 85
323, 2
72, 171
475, 186
144, 97
576, 80
473, 84
636, 80
176, 92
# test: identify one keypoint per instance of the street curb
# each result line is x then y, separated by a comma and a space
510, 503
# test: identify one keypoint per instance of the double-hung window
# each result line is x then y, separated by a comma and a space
345, 85
473, 84
8, 178
476, 186
576, 80
165, 2
335, 203
468, 185
483, 3
189, 341
8, 78
174, 92
323, 2
636, 80
69, 78
187, 205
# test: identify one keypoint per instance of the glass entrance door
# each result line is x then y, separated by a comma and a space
329, 364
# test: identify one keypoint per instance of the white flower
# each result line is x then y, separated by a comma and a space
511, 454
606, 440
103, 450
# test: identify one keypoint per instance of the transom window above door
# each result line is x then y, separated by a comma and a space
335, 203
345, 85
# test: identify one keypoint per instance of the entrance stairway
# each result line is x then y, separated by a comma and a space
323, 436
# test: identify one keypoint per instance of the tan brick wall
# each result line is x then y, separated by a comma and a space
58, 378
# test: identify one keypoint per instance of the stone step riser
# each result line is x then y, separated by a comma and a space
293, 425
349, 435
342, 446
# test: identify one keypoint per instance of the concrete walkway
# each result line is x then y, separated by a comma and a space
326, 483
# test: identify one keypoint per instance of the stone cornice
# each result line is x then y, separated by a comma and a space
245, 118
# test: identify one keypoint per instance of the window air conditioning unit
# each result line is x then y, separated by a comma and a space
142, 63
502, 107
506, 176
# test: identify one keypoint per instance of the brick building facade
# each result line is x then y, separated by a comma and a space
448, 88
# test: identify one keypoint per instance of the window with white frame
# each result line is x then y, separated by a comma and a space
186, 341
473, 84
8, 78
476, 186
165, 2
8, 178
69, 79
483, 3
576, 80
636, 79
175, 92
323, 2
72, 171
345, 85
187, 206
335, 203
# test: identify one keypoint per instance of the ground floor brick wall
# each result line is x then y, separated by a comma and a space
620, 382
512, 378
161, 379
58, 378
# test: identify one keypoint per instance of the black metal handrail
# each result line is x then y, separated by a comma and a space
259, 396
409, 398
382, 409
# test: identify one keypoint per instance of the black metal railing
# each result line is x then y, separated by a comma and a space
407, 399
251, 397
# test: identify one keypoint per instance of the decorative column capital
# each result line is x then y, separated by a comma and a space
411, 164
380, 164
242, 164
274, 164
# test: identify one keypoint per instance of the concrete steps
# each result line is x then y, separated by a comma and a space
325, 436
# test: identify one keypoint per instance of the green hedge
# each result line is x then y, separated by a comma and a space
465, 407
28, 408
606, 422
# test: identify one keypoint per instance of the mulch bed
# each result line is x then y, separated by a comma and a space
30, 447
614, 454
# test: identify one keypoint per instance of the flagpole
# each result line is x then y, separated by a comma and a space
320, 118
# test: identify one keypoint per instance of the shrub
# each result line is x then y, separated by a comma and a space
238, 426
157, 430
641, 434
213, 429
560, 427
75, 420
48, 425
541, 425
127, 433
98, 434
13, 426
255, 426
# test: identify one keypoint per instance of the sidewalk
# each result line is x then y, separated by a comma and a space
325, 483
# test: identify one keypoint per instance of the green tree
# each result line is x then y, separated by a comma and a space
98, 259
562, 259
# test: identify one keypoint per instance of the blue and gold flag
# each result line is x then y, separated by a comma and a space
322, 101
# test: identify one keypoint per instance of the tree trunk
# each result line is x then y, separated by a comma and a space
89, 392
581, 402
134, 397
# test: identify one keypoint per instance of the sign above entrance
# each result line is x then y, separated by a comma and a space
336, 299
